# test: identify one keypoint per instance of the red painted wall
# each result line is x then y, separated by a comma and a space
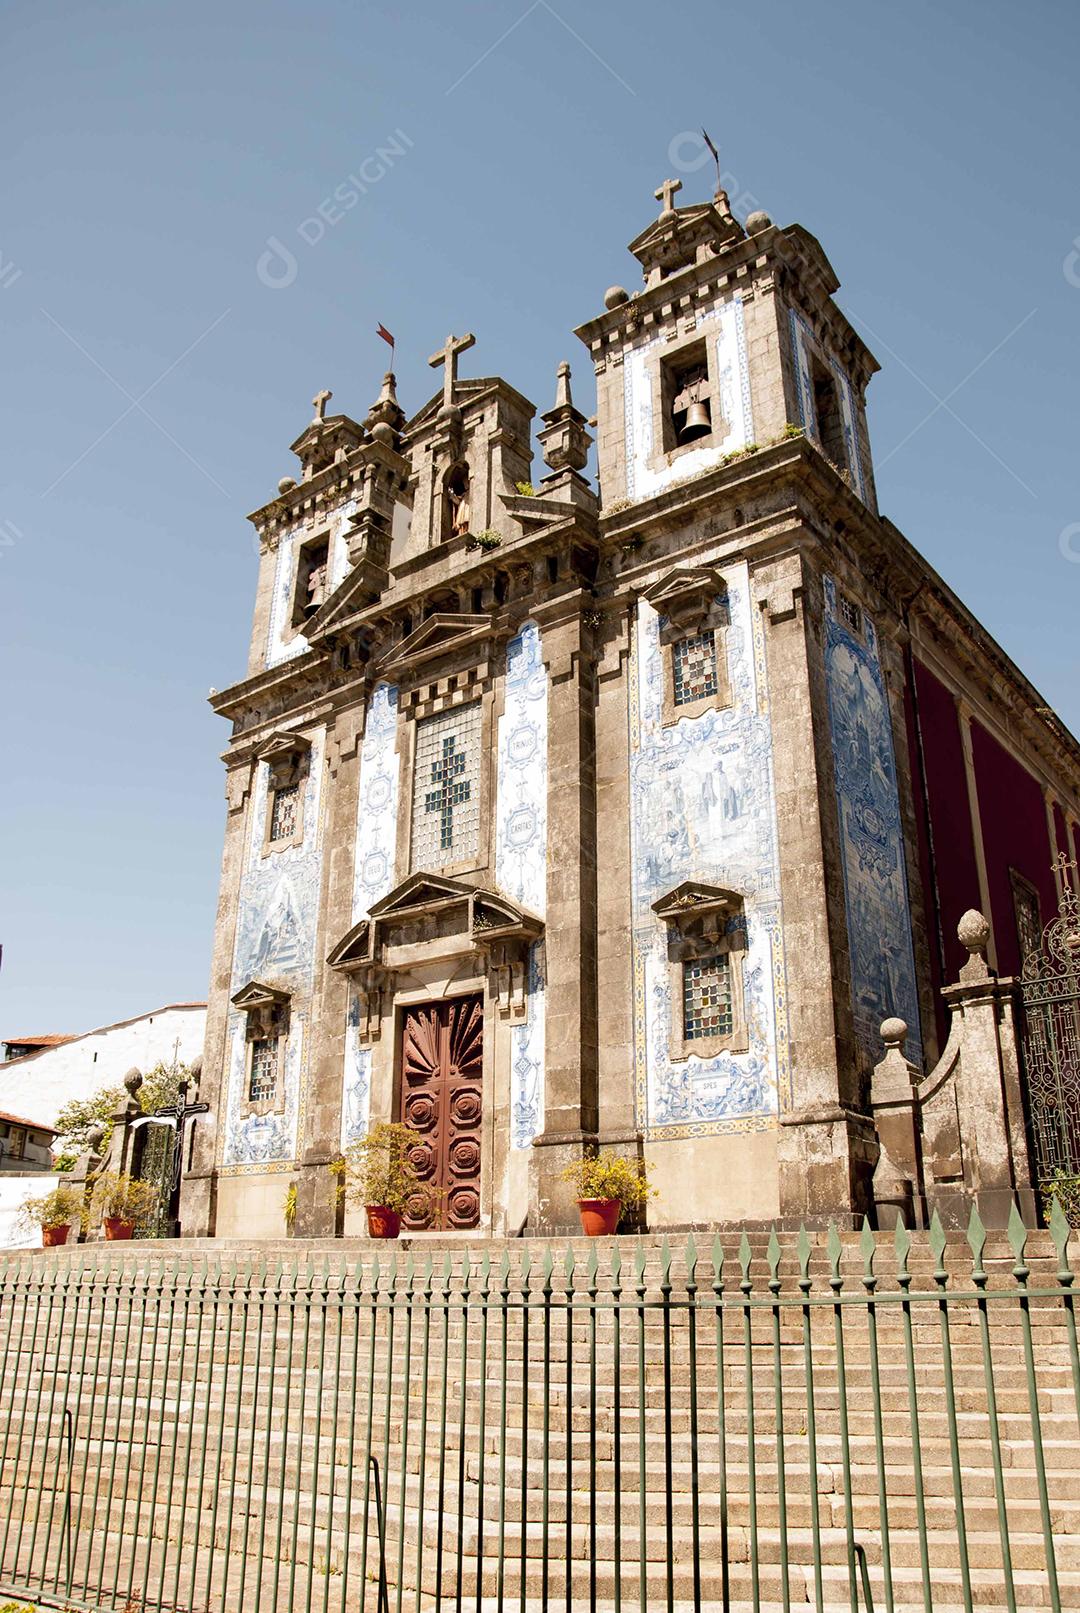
1015, 832
954, 871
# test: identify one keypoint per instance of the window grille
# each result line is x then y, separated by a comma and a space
693, 667
446, 788
707, 1005
850, 613
283, 815
264, 1060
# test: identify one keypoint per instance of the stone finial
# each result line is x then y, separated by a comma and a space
319, 401
133, 1080
894, 1033
973, 931
286, 484
386, 417
563, 400
615, 296
564, 440
756, 222
95, 1136
447, 356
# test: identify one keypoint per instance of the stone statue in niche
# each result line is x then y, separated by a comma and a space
458, 511
316, 587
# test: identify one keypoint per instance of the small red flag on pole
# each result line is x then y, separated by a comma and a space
382, 331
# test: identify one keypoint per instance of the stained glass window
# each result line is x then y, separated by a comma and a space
446, 788
283, 813
707, 1006
264, 1060
693, 666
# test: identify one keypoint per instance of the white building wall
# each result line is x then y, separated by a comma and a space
39, 1085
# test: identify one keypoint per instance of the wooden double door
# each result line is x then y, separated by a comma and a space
442, 1100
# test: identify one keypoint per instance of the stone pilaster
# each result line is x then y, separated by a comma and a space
198, 1198
316, 1215
570, 1074
826, 1148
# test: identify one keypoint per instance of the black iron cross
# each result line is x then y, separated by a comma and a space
181, 1111
452, 790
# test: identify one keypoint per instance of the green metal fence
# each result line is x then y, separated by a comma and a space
836, 1422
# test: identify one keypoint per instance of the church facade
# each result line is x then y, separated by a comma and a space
562, 815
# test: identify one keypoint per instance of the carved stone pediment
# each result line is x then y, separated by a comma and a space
283, 743
686, 596
428, 918
696, 909
257, 994
685, 235
444, 633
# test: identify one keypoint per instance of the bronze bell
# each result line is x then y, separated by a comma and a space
697, 423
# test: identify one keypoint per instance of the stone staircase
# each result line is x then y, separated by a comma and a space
212, 1469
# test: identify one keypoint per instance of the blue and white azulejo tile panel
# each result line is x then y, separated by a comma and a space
521, 857
521, 813
356, 1091
276, 926
377, 803
871, 833
702, 807
725, 327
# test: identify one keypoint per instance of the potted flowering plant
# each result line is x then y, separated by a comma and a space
607, 1185
379, 1171
54, 1212
123, 1200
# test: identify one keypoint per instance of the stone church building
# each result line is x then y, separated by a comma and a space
563, 813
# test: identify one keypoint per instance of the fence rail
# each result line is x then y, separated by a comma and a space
823, 1421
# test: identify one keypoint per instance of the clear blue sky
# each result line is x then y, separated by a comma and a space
152, 151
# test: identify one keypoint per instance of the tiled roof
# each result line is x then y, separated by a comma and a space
32, 1125
39, 1041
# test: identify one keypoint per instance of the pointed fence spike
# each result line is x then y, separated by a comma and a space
805, 1249
691, 1259
718, 1258
1017, 1232
665, 1258
868, 1247
526, 1266
937, 1239
746, 1255
903, 1244
592, 1265
836, 1250
568, 1263
976, 1235
773, 1253
616, 1260
504, 1268
639, 1261
1060, 1232
548, 1265
485, 1269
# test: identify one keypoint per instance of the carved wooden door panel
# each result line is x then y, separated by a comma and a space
442, 1100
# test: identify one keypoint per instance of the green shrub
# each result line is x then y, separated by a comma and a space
610, 1176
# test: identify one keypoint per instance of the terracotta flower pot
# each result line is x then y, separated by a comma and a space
599, 1217
116, 1227
383, 1223
53, 1237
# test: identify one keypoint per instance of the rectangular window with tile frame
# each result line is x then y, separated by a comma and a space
447, 789
695, 655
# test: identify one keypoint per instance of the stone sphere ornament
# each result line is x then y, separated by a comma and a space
133, 1081
894, 1032
757, 222
286, 484
615, 296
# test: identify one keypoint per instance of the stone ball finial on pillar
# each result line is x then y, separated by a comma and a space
133, 1081
973, 931
615, 296
894, 1033
95, 1136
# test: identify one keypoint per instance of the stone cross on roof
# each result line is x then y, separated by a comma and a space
320, 400
448, 357
666, 193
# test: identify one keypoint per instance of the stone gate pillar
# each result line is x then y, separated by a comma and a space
971, 1105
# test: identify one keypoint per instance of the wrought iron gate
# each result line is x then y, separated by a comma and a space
1050, 984
155, 1165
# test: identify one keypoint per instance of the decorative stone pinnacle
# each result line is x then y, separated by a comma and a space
665, 194
133, 1080
447, 356
562, 387
320, 400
